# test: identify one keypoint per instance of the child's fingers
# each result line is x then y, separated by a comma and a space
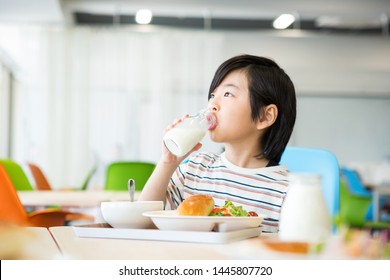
176, 122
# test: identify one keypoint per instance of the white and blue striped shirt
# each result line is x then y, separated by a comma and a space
256, 189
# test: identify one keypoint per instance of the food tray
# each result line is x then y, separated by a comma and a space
105, 231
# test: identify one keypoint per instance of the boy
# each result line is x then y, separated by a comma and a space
254, 104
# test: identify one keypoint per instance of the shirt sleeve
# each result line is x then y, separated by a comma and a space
175, 188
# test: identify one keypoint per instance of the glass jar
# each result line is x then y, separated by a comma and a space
183, 137
304, 216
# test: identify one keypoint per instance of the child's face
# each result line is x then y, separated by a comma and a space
231, 106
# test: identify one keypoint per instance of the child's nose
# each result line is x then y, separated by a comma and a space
213, 106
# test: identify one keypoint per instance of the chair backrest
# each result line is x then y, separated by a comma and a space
88, 178
119, 173
17, 175
11, 209
41, 182
321, 162
353, 208
353, 182
356, 191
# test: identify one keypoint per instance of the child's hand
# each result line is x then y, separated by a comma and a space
167, 156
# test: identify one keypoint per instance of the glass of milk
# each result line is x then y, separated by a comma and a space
183, 137
304, 216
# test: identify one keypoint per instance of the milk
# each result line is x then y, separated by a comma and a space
180, 140
304, 216
185, 135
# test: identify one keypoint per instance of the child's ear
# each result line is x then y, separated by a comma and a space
268, 116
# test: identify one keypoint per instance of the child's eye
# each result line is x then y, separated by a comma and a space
228, 94
212, 95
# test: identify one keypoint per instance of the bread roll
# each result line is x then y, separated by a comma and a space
196, 205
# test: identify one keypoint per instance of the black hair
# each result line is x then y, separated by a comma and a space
267, 84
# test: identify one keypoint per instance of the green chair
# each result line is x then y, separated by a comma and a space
354, 207
88, 178
119, 173
17, 175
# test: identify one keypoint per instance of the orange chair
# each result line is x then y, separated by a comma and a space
41, 182
12, 211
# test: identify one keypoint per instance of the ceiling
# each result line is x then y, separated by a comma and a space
363, 16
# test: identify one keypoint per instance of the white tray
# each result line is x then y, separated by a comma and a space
105, 231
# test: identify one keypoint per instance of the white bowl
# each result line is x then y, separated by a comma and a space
126, 214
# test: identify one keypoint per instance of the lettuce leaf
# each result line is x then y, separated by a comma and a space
229, 209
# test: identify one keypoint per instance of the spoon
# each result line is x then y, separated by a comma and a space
131, 188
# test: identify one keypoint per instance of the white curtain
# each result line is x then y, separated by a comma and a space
86, 96
90, 96
4, 110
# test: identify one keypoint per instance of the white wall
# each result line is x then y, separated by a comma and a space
356, 129
324, 64
342, 84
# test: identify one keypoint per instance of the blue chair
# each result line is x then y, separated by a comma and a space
321, 162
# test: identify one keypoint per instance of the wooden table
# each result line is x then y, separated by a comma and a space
86, 202
28, 243
129, 249
74, 199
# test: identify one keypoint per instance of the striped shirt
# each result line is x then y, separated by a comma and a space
256, 189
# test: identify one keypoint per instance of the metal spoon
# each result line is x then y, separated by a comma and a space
131, 188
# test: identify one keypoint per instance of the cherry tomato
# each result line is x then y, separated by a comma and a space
252, 214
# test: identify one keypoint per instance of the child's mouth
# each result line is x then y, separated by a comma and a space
212, 121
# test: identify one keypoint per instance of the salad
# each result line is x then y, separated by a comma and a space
229, 209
